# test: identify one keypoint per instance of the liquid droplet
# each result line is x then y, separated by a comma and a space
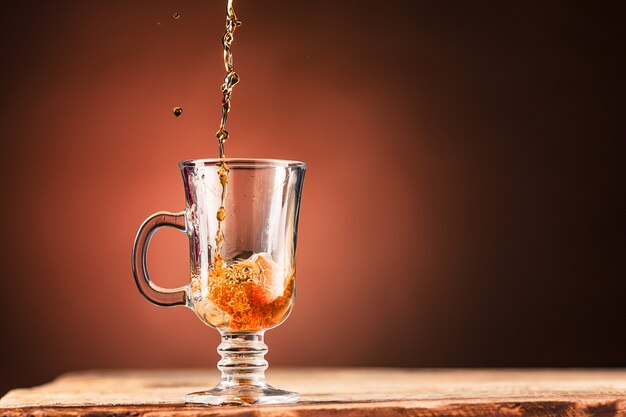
177, 111
231, 79
176, 16
221, 214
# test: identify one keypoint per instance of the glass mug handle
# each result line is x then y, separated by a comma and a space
160, 296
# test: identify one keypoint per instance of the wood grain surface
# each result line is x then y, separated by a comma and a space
336, 392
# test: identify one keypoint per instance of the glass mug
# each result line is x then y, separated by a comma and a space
248, 285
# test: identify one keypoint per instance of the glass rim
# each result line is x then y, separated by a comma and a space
234, 163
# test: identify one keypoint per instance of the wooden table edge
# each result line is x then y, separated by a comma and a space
608, 407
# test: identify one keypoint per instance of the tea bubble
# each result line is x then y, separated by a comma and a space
177, 111
176, 16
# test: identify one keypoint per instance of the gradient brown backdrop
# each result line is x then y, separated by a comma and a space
464, 203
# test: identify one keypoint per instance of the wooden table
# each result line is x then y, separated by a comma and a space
337, 392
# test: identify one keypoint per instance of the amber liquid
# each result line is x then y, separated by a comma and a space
242, 295
245, 295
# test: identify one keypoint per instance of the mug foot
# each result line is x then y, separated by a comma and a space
242, 395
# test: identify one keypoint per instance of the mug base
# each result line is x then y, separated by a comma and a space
242, 395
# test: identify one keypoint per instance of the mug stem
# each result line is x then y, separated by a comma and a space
243, 358
243, 368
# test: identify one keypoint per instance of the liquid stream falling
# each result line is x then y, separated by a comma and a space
244, 295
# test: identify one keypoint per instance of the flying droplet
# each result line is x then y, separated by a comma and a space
177, 111
176, 16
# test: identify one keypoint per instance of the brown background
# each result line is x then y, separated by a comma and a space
464, 204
